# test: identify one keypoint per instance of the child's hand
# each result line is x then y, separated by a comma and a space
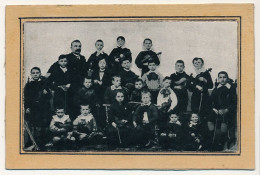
96, 81
172, 135
117, 59
192, 134
135, 125
114, 125
216, 111
45, 92
163, 134
183, 79
145, 64
145, 121
124, 121
203, 79
28, 111
199, 87
197, 140
177, 87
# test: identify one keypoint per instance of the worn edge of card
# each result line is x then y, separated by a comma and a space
243, 159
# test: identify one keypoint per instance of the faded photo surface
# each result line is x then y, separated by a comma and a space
131, 86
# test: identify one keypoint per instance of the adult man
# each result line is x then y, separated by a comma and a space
76, 63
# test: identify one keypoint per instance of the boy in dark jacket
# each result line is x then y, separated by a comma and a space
142, 58
127, 76
144, 120
117, 54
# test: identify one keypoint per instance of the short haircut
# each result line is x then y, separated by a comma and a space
181, 62
115, 76
99, 40
197, 58
36, 68
120, 37
194, 114
59, 107
75, 41
151, 60
174, 113
139, 80
102, 58
88, 78
84, 104
144, 92
223, 72
62, 57
125, 59
120, 91
147, 39
167, 78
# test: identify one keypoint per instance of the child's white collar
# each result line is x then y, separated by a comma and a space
227, 85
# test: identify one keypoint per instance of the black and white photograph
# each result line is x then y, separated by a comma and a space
132, 85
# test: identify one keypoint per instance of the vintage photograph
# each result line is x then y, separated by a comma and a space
131, 85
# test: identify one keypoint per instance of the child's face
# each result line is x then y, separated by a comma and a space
116, 82
60, 112
102, 64
63, 62
167, 83
179, 67
87, 83
35, 74
138, 85
194, 118
119, 97
173, 118
147, 44
152, 66
85, 110
222, 79
126, 64
99, 45
198, 64
146, 98
120, 42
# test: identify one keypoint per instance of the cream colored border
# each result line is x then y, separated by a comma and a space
240, 160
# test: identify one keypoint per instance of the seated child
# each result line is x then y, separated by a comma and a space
224, 101
178, 84
128, 77
172, 135
102, 79
59, 80
94, 58
37, 106
110, 92
144, 120
120, 122
194, 134
136, 94
117, 54
85, 128
153, 80
142, 58
167, 101
86, 95
61, 127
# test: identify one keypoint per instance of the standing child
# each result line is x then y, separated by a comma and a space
120, 122
102, 79
37, 105
128, 77
172, 135
142, 58
61, 128
60, 80
118, 53
223, 116
179, 79
85, 128
167, 101
110, 92
144, 120
153, 80
94, 58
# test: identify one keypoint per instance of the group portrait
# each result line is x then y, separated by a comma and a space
130, 86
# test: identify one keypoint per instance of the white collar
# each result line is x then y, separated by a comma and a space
31, 79
127, 70
64, 69
78, 56
121, 47
114, 88
148, 104
227, 85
